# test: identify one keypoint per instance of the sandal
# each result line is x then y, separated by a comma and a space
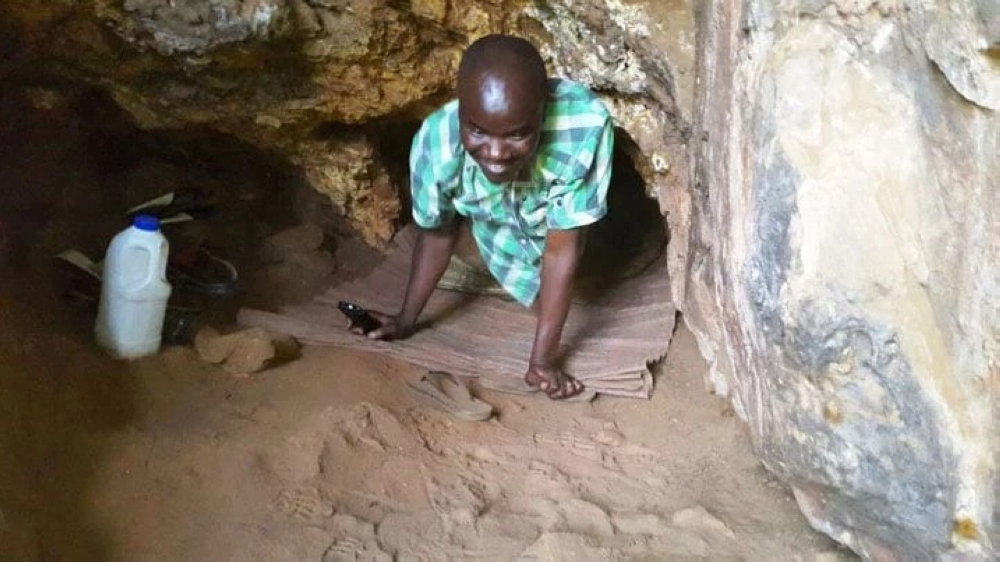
440, 390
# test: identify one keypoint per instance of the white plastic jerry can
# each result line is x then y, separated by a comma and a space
134, 291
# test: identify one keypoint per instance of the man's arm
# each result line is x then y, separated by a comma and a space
559, 265
430, 259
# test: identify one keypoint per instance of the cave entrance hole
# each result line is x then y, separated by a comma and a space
74, 196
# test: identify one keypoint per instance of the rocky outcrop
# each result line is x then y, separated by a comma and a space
313, 80
843, 273
294, 77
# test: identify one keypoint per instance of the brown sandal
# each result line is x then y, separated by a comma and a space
440, 390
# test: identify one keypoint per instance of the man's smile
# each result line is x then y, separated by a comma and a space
498, 169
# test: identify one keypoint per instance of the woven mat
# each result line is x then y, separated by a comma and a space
609, 342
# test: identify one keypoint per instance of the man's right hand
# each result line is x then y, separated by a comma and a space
391, 328
431, 253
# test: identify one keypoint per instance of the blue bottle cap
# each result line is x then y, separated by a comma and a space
148, 223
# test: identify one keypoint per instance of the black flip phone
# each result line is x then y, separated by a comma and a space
359, 317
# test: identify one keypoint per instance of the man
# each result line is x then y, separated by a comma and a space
522, 163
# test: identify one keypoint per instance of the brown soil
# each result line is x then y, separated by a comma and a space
328, 457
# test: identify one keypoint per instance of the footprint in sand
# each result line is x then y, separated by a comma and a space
640, 524
558, 547
295, 460
361, 427
544, 479
699, 520
354, 550
578, 444
353, 541
585, 518
458, 500
371, 425
304, 503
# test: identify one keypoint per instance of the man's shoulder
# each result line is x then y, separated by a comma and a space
575, 122
438, 137
564, 89
447, 112
569, 98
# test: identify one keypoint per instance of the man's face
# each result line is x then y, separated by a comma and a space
501, 121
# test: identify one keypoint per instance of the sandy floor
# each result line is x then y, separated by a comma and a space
168, 458
330, 457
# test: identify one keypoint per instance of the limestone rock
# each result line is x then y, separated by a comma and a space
349, 171
843, 276
963, 48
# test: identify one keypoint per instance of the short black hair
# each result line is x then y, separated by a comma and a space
503, 52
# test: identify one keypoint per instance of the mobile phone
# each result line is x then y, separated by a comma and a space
360, 318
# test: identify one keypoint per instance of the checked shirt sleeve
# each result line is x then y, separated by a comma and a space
436, 168
582, 198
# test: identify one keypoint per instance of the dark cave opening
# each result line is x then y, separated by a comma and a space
77, 162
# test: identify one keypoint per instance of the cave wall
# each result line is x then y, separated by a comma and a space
307, 79
843, 276
292, 77
833, 245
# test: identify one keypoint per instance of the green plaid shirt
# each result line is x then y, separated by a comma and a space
567, 188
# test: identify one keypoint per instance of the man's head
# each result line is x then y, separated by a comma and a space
501, 104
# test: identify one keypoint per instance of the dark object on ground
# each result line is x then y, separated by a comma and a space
360, 318
180, 325
197, 269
